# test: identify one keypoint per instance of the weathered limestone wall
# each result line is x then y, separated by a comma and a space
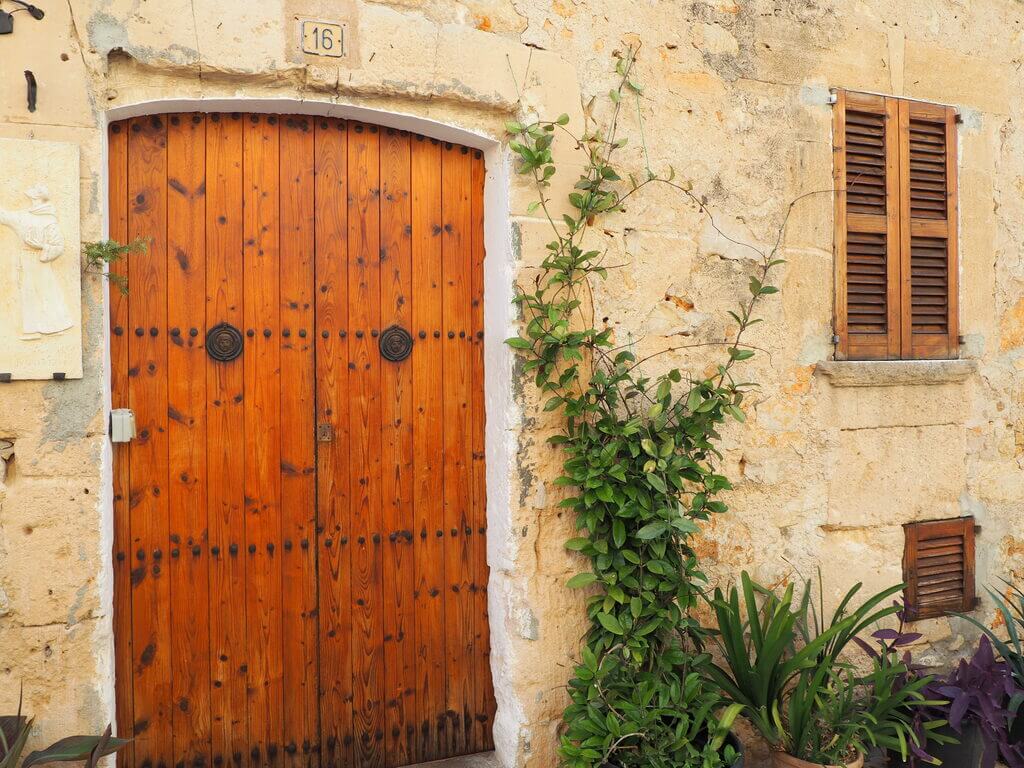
735, 100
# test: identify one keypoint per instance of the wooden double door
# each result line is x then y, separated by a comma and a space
299, 555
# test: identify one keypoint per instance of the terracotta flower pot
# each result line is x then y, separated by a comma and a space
782, 760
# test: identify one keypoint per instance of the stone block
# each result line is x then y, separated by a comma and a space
894, 475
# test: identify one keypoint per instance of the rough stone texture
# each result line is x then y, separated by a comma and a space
736, 100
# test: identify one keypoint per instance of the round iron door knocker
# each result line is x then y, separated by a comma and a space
224, 342
395, 344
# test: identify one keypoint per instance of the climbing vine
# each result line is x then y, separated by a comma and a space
640, 461
101, 255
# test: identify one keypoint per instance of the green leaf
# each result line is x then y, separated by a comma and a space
71, 748
736, 413
553, 403
518, 343
693, 399
15, 731
619, 533
589, 659
581, 580
652, 530
577, 544
610, 623
649, 627
657, 482
685, 525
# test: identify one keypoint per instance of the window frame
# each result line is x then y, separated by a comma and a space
900, 342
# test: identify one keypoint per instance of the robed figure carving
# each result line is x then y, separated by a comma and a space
44, 310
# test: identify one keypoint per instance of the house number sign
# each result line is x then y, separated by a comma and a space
324, 38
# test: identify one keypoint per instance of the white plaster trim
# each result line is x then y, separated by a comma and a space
503, 414
104, 638
503, 419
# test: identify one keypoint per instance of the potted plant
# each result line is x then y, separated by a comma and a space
1011, 650
14, 733
784, 664
979, 691
929, 723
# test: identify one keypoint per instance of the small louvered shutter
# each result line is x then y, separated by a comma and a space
866, 173
938, 567
928, 205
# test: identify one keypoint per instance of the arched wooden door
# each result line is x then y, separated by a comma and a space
300, 563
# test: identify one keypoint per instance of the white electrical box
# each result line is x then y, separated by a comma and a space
122, 425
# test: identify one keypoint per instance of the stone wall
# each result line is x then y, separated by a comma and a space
830, 464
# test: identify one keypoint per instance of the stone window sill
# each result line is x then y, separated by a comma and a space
896, 373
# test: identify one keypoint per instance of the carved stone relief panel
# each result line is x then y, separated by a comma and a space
40, 261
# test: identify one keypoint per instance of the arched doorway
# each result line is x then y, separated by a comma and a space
300, 564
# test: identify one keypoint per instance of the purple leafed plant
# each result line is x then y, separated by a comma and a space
979, 691
927, 721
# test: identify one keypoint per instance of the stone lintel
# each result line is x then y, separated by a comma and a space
895, 373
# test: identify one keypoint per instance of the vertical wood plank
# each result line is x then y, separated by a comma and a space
117, 209
365, 442
910, 531
151, 620
970, 574
839, 231
457, 244
298, 459
428, 431
186, 434
896, 128
262, 366
483, 702
225, 429
397, 457
899, 188
952, 238
332, 408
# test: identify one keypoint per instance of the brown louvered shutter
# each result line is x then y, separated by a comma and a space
867, 227
938, 567
928, 214
895, 228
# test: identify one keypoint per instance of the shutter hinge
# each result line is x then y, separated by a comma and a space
835, 338
832, 98
977, 529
